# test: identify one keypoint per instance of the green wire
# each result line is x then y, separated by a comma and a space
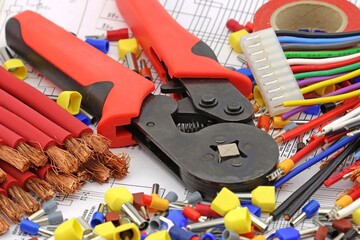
321, 54
329, 72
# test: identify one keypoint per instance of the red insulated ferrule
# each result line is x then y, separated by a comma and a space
33, 117
42, 171
191, 213
9, 137
25, 129
44, 105
10, 181
3, 192
205, 210
115, 35
21, 177
146, 200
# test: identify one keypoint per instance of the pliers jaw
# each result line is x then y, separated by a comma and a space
233, 155
217, 99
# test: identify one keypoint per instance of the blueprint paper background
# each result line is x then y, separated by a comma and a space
204, 18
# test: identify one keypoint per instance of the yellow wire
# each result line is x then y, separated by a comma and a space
321, 100
331, 81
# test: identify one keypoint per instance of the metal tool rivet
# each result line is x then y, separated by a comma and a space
150, 124
236, 163
208, 100
234, 108
208, 156
247, 146
219, 139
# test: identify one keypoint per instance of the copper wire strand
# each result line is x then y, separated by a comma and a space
4, 226
62, 159
40, 188
10, 209
14, 158
98, 143
119, 164
65, 184
97, 170
79, 149
35, 155
25, 201
82, 175
2, 176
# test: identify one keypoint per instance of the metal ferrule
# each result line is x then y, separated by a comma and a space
88, 230
269, 219
51, 227
244, 196
36, 215
204, 225
131, 61
155, 188
324, 211
100, 37
298, 219
258, 223
101, 207
275, 174
42, 221
129, 210
90, 236
45, 232
317, 222
144, 212
308, 232
269, 233
50, 238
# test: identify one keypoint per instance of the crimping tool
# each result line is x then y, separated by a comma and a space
206, 138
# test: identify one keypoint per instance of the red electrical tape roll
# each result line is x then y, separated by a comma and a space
327, 15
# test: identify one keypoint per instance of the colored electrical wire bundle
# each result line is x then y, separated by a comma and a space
334, 54
293, 203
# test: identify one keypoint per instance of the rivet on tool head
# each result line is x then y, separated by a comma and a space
236, 163
208, 100
208, 156
234, 108
219, 139
150, 124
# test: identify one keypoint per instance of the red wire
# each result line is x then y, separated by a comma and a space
307, 149
336, 112
315, 67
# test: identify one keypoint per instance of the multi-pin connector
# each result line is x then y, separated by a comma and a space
271, 71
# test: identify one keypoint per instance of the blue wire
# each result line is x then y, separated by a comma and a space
336, 146
315, 40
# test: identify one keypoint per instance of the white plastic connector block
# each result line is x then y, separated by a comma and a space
271, 71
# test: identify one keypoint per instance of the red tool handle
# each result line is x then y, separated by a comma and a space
111, 92
164, 40
10, 137
21, 177
25, 129
33, 117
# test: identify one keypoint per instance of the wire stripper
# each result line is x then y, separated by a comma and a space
206, 138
